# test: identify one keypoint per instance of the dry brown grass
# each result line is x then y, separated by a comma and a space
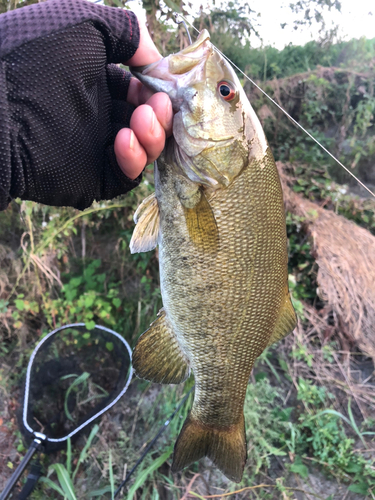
345, 256
346, 374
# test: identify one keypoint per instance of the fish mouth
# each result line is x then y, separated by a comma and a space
176, 73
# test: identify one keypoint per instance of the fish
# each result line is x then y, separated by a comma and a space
218, 217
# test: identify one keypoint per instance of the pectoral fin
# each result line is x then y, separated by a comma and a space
146, 231
286, 321
157, 357
202, 226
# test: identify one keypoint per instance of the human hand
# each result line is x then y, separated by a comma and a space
64, 100
151, 122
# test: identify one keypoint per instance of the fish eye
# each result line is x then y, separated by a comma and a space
226, 91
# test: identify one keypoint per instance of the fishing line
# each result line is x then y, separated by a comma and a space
178, 20
286, 113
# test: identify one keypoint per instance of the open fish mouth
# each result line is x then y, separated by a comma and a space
176, 74
209, 142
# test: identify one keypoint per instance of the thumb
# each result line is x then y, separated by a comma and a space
147, 52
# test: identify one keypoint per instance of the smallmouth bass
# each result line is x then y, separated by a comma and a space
218, 217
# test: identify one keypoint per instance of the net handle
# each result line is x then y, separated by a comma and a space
34, 447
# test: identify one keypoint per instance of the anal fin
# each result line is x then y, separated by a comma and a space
146, 231
225, 447
157, 357
286, 321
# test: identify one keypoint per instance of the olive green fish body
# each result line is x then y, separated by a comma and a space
224, 303
218, 218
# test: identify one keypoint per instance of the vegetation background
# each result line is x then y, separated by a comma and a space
310, 404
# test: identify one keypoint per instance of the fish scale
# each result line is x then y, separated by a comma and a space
220, 225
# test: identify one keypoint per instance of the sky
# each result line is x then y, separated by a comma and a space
357, 19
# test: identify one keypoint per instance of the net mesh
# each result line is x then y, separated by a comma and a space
75, 374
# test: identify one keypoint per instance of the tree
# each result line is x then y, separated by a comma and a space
6, 5
308, 12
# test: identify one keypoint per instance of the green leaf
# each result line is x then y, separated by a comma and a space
299, 468
65, 377
83, 453
109, 346
350, 422
99, 493
20, 304
117, 3
196, 495
260, 376
64, 480
90, 325
274, 451
353, 468
272, 369
361, 488
141, 478
283, 365
172, 5
313, 213
116, 302
89, 300
69, 456
101, 278
303, 266
52, 485
111, 478
3, 306
79, 380
354, 424
284, 414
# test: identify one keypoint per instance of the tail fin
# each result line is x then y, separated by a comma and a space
225, 447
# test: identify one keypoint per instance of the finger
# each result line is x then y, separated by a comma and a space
162, 106
130, 155
138, 93
146, 53
148, 131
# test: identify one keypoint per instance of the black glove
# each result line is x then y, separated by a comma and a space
62, 102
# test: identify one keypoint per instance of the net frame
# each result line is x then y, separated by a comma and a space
93, 417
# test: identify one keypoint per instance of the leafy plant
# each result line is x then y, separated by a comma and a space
320, 433
64, 473
84, 394
264, 424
